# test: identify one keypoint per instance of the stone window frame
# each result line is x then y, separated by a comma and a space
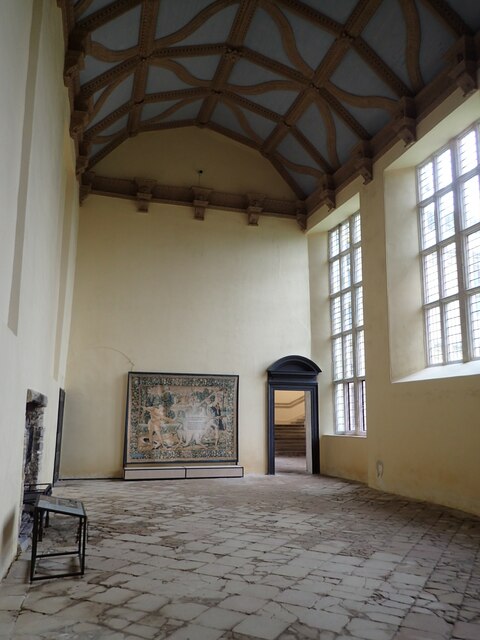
446, 289
347, 325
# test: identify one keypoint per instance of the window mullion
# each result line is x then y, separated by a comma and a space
346, 414
463, 297
356, 382
442, 307
460, 250
354, 332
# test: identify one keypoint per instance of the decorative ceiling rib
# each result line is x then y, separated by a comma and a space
320, 89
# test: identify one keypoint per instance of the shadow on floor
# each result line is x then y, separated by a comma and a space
292, 464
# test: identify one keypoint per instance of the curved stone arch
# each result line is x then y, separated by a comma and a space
294, 373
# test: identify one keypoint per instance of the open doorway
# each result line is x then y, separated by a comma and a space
293, 435
290, 431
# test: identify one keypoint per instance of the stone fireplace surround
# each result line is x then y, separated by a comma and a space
32, 454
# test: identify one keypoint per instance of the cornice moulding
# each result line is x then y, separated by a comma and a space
146, 191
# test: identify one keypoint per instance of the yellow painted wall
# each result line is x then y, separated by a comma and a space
344, 457
166, 292
423, 430
174, 156
38, 229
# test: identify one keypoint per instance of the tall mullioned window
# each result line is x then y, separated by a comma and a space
346, 312
449, 227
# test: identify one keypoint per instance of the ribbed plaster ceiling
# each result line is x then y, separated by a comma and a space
319, 87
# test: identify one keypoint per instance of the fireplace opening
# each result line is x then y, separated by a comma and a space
32, 461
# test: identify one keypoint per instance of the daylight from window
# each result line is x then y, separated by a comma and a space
449, 228
346, 312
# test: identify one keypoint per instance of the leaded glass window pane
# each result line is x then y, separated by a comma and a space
346, 311
449, 227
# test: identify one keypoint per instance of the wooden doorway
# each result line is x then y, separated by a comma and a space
291, 428
298, 374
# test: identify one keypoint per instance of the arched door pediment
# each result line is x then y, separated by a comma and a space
293, 366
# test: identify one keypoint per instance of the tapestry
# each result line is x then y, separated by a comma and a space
181, 418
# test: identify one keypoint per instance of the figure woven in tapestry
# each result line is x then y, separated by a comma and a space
181, 418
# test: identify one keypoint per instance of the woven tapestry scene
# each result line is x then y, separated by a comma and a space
181, 418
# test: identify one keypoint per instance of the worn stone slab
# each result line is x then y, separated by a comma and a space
147, 602
427, 622
219, 618
184, 611
245, 604
261, 627
467, 630
292, 549
196, 632
297, 596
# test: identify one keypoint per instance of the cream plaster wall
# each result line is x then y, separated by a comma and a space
165, 292
174, 156
35, 162
344, 457
423, 431
423, 434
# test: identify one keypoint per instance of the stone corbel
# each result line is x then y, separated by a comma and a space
255, 207
464, 66
78, 120
82, 164
84, 103
74, 63
85, 147
86, 185
200, 202
79, 40
362, 160
405, 122
254, 215
199, 207
301, 215
326, 195
144, 195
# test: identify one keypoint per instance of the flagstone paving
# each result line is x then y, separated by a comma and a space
282, 557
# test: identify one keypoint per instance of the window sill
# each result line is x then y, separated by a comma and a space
445, 371
345, 435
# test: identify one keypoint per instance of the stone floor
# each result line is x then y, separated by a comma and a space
293, 464
289, 556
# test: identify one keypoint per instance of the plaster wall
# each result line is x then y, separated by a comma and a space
423, 424
344, 457
166, 292
190, 149
36, 158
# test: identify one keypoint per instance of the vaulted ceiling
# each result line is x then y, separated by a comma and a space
318, 87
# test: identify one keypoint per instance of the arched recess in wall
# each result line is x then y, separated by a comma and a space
294, 373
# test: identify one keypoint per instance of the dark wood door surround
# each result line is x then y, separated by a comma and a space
294, 373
